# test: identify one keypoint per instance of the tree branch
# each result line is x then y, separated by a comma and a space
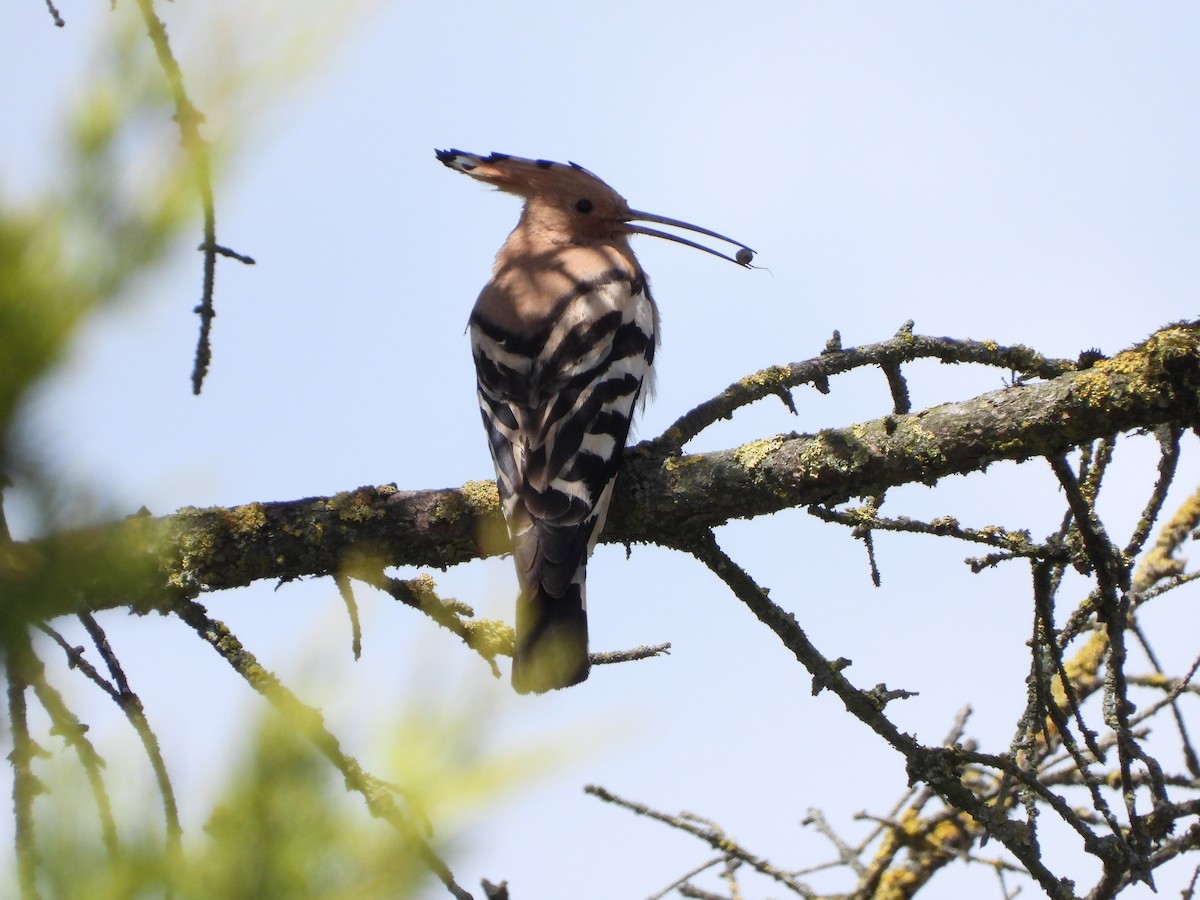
150, 563
189, 118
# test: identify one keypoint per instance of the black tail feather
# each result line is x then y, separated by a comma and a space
552, 641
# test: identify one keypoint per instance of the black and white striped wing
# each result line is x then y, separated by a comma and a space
557, 407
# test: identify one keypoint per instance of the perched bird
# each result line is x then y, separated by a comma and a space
563, 337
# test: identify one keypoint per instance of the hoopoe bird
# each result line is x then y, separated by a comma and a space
563, 337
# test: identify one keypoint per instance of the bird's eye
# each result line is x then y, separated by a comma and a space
584, 206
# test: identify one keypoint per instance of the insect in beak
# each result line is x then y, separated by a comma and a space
743, 257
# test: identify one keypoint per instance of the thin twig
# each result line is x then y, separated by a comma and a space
711, 835
897, 386
487, 637
347, 593
309, 722
189, 119
1168, 461
715, 861
938, 767
1112, 579
1092, 474
1159, 562
1018, 544
694, 893
905, 347
1046, 639
135, 712
1189, 752
619, 656
131, 705
54, 14
67, 725
847, 856
25, 784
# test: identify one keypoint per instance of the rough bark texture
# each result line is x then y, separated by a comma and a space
150, 562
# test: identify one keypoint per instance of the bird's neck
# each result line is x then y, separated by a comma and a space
532, 278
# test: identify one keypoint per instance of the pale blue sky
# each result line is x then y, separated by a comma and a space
1020, 172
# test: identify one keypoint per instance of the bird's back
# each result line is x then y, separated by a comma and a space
563, 349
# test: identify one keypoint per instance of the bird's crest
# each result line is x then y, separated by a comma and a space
576, 199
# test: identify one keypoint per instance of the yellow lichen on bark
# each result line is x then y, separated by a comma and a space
481, 496
751, 455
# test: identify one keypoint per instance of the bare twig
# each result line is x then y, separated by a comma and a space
487, 637
1113, 581
1017, 544
711, 835
309, 722
1159, 563
694, 893
1189, 752
54, 14
74, 732
715, 861
905, 347
347, 594
941, 768
619, 656
131, 705
1168, 461
25, 784
189, 120
847, 856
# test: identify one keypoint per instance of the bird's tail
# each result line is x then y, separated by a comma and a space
551, 649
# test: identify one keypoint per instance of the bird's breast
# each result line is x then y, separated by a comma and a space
533, 286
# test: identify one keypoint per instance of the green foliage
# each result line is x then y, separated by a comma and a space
123, 191
285, 828
76, 245
282, 827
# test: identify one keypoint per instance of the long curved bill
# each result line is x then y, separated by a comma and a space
743, 257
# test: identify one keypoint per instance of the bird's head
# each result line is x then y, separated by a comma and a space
566, 199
